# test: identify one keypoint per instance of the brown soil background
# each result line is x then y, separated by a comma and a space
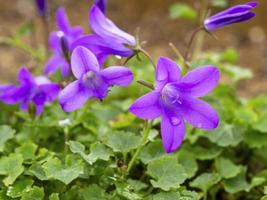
152, 16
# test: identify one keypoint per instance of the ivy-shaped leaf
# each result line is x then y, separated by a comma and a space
123, 141
17, 189
11, 167
226, 168
166, 171
152, 151
6, 133
35, 193
54, 169
205, 181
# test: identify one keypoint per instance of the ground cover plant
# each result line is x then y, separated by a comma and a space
105, 120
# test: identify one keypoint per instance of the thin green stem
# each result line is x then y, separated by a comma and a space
146, 129
199, 41
148, 56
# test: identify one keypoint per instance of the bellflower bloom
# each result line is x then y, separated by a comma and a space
235, 14
175, 99
60, 42
38, 91
92, 81
101, 4
108, 38
41, 6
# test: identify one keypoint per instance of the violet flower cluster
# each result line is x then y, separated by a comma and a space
175, 98
39, 91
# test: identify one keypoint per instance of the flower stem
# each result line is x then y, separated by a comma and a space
146, 130
146, 84
148, 56
191, 41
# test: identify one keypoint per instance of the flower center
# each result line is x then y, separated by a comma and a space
170, 95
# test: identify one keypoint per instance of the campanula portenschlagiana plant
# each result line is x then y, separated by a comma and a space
116, 148
235, 14
92, 81
60, 42
39, 91
175, 99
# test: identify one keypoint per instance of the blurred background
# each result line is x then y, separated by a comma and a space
158, 28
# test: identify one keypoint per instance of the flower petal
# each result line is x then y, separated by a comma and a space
117, 75
167, 71
200, 81
102, 46
147, 106
101, 4
56, 62
62, 20
105, 28
25, 77
198, 113
172, 132
73, 97
82, 61
50, 90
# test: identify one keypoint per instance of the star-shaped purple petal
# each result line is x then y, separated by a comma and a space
175, 99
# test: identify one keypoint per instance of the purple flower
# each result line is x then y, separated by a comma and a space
101, 4
92, 81
37, 90
108, 38
60, 42
235, 14
175, 99
41, 6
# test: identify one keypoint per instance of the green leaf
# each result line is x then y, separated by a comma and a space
219, 3
188, 161
205, 181
260, 125
238, 183
35, 193
152, 151
98, 151
37, 170
183, 195
181, 10
123, 141
167, 173
54, 196
93, 192
12, 167
226, 168
17, 189
255, 139
6, 133
237, 73
226, 135
27, 150
124, 190
54, 169
164, 196
207, 153
230, 55
137, 185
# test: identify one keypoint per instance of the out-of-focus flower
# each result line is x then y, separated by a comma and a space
235, 14
41, 6
38, 91
92, 81
101, 4
175, 99
60, 42
108, 38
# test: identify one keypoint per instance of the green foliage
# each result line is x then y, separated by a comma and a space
85, 155
181, 10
